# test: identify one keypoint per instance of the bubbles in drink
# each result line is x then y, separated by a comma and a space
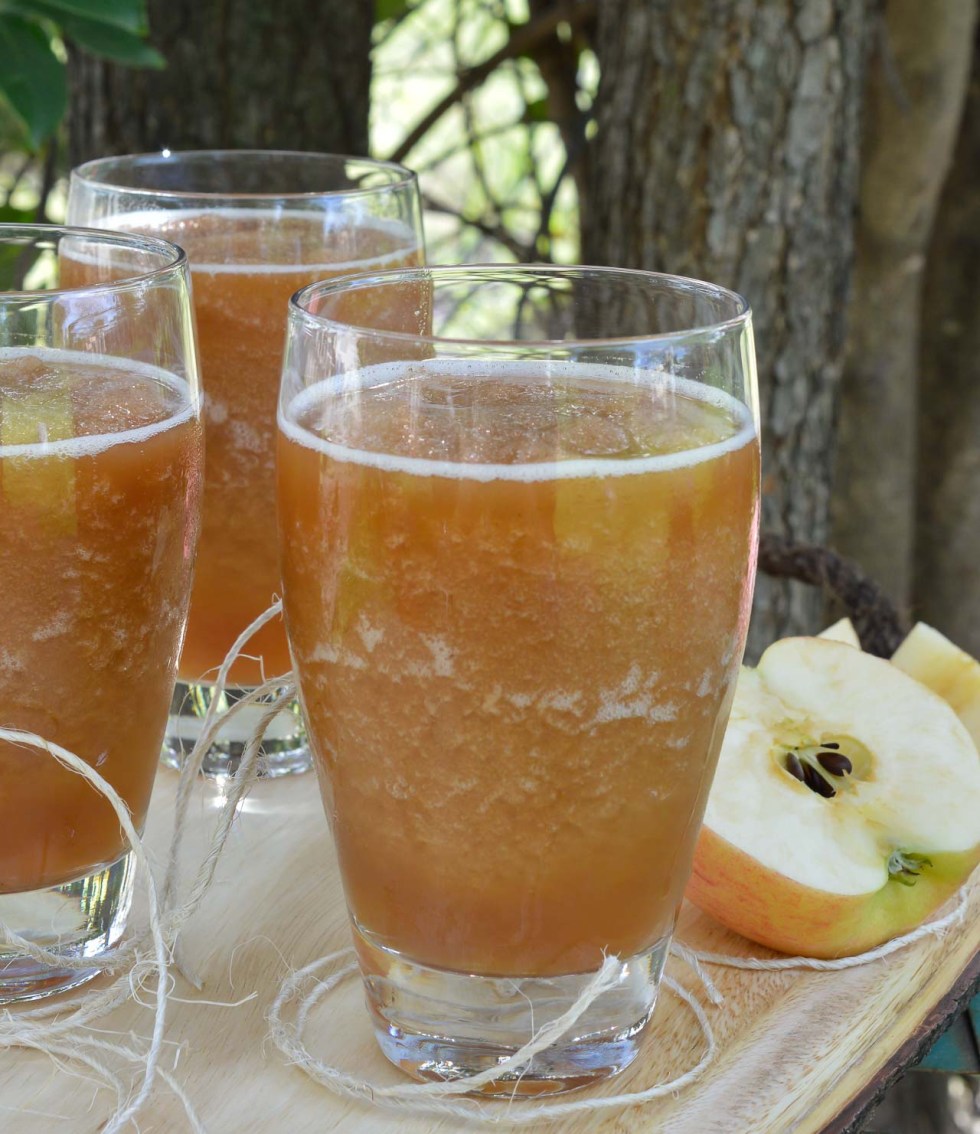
508, 415
100, 468
51, 396
245, 263
505, 582
273, 242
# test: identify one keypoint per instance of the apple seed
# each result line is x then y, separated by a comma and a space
812, 764
816, 782
835, 762
793, 766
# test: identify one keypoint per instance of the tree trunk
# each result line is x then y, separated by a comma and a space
947, 577
915, 100
240, 74
728, 149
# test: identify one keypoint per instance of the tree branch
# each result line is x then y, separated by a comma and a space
558, 63
49, 172
495, 232
547, 208
18, 177
522, 38
879, 623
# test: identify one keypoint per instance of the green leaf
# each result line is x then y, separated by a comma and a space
95, 34
391, 9
127, 15
9, 258
537, 111
32, 78
13, 132
110, 42
9, 214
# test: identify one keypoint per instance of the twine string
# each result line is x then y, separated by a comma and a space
58, 1028
694, 960
240, 783
211, 726
937, 928
437, 1097
160, 954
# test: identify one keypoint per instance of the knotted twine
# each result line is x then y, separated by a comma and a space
437, 1098
151, 950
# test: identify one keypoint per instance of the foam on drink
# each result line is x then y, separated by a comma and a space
236, 241
30, 377
327, 416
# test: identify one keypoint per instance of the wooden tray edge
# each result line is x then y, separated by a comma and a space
852, 1117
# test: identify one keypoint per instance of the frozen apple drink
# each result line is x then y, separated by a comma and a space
517, 566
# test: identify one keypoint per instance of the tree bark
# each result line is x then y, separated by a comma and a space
916, 93
240, 73
728, 149
947, 575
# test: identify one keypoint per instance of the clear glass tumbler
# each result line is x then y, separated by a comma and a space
101, 465
256, 225
518, 526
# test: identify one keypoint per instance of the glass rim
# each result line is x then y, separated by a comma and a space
86, 173
175, 264
348, 282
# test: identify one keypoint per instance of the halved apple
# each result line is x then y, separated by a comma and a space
932, 659
846, 806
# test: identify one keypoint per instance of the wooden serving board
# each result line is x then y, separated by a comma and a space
800, 1051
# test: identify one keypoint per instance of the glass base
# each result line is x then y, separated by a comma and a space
284, 751
439, 1025
79, 919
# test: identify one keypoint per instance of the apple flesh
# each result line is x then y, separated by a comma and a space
952, 673
36, 406
845, 808
842, 631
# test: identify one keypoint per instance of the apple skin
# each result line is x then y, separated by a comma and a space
784, 915
784, 864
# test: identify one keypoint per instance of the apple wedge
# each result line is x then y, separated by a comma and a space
845, 808
35, 408
948, 671
842, 631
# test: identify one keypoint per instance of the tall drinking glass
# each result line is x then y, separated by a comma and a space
101, 454
256, 225
518, 531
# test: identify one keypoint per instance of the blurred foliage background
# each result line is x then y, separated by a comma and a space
820, 156
456, 92
34, 89
498, 173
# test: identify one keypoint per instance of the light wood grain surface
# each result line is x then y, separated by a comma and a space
796, 1050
